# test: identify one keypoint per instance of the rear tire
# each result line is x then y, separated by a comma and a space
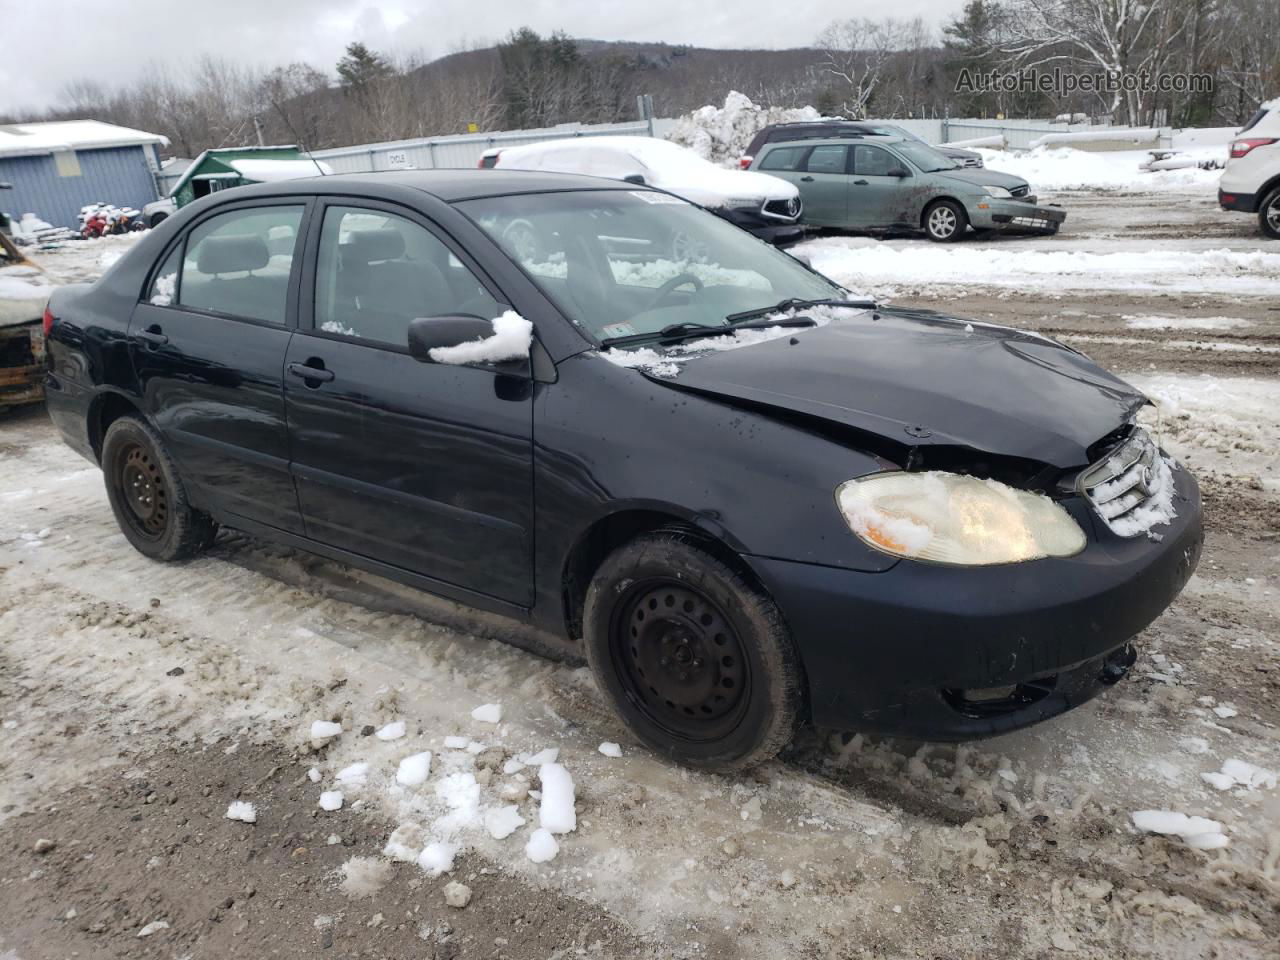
147, 495
696, 661
945, 221
1269, 214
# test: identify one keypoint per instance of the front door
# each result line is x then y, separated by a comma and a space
208, 346
427, 467
876, 199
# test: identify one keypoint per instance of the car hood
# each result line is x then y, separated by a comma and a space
916, 378
982, 177
715, 187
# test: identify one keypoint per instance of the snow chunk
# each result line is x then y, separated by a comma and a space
457, 743
512, 336
414, 769
331, 800
1226, 711
1197, 832
404, 843
363, 877
549, 755
555, 811
610, 749
242, 811
542, 846
155, 926
324, 730
1241, 773
314, 775
392, 731
356, 774
501, 822
461, 793
488, 713
437, 858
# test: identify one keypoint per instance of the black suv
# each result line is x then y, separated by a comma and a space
826, 129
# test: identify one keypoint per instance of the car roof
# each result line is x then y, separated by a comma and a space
449, 185
827, 141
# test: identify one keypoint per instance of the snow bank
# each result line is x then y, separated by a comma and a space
1197, 832
1136, 322
721, 134
1061, 168
512, 336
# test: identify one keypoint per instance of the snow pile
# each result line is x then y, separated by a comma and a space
1136, 322
242, 811
722, 134
863, 263
1197, 832
511, 339
1240, 773
1061, 168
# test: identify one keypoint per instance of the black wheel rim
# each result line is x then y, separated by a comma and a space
142, 489
680, 660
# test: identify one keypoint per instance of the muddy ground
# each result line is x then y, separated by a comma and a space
137, 701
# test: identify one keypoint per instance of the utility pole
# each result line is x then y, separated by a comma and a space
257, 128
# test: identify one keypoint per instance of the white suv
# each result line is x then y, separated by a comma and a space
1251, 181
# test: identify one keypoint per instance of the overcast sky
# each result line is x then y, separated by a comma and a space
47, 43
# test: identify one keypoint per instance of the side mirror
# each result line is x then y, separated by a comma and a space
429, 333
899, 172
637, 178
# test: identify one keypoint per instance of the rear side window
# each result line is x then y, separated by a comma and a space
830, 158
783, 158
378, 272
873, 162
238, 263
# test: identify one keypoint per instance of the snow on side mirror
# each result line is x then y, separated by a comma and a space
464, 338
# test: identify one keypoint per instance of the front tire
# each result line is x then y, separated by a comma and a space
696, 660
147, 495
1269, 214
945, 221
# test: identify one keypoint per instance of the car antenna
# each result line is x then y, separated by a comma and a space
298, 140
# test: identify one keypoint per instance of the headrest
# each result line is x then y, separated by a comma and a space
369, 246
232, 254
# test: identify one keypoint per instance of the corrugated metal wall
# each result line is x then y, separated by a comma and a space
119, 175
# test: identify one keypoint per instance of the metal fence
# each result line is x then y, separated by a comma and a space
1019, 134
464, 150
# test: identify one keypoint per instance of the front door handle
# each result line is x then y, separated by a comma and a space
308, 372
806, 179
153, 336
859, 183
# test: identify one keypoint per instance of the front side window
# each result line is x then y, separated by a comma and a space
783, 158
829, 158
620, 262
873, 162
378, 272
238, 263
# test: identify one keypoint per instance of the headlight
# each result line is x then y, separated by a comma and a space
951, 518
999, 192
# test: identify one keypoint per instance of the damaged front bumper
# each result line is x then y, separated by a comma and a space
937, 652
22, 365
1016, 216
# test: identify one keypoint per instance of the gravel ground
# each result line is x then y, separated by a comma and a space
137, 701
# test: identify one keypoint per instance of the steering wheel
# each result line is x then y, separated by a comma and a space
669, 287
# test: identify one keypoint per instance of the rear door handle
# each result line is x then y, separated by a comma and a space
859, 183
153, 336
310, 373
806, 179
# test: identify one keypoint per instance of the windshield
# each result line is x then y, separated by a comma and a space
620, 263
925, 157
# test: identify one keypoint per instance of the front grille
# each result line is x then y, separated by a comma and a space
972, 162
782, 209
1124, 480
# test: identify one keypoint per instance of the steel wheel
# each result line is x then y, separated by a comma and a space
143, 489
679, 659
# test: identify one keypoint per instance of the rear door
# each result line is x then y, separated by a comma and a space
875, 198
423, 466
208, 345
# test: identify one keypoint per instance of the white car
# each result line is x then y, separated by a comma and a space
1251, 181
767, 206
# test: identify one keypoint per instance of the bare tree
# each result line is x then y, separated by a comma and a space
855, 53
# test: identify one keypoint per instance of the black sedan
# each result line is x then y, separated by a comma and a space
746, 499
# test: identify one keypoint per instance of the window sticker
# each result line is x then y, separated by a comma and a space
617, 330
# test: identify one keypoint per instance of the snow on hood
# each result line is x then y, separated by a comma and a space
662, 164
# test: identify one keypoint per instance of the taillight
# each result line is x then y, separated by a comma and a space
745, 162
48, 321
1241, 147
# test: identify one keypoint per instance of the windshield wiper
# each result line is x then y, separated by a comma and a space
676, 332
736, 319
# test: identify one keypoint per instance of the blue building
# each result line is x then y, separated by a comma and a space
58, 167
